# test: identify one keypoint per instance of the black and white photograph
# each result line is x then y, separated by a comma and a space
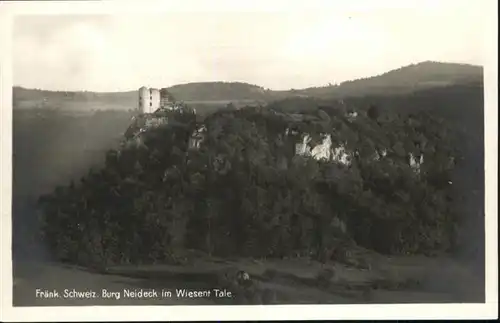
322, 153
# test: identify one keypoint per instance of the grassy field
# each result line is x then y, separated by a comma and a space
396, 280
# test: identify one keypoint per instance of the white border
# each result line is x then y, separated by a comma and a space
277, 312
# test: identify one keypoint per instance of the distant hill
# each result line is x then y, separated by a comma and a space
215, 91
77, 101
403, 80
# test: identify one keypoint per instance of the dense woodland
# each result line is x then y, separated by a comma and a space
246, 193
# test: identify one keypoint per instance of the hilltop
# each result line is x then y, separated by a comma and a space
399, 81
216, 91
74, 101
403, 80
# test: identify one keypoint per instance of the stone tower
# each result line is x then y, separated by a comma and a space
149, 100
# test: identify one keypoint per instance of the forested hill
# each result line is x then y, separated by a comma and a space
215, 91
403, 80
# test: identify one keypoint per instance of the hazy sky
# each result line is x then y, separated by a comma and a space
278, 50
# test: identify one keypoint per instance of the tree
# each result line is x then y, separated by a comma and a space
373, 112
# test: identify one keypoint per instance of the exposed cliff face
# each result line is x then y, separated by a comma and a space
143, 122
197, 137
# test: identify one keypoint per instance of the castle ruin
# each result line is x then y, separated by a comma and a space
151, 99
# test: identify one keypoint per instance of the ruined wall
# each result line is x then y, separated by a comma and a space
166, 99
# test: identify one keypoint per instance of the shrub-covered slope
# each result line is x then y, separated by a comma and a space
244, 191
